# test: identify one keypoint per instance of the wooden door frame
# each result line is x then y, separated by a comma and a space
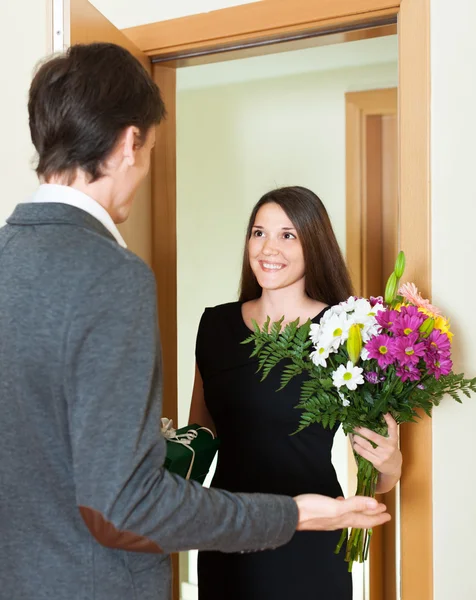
237, 31
360, 106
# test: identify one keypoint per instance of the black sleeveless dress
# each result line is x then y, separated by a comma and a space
257, 454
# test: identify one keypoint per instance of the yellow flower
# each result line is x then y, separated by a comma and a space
444, 326
441, 323
427, 312
398, 307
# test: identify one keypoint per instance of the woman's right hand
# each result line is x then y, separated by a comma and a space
321, 513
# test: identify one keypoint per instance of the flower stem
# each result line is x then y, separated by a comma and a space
358, 542
343, 538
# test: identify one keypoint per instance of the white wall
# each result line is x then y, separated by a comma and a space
149, 11
453, 55
23, 42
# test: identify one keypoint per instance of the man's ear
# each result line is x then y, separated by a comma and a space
129, 145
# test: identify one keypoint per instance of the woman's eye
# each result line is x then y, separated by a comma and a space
289, 236
257, 233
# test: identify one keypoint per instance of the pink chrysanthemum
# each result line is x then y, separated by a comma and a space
386, 318
408, 350
439, 365
411, 311
380, 348
408, 321
410, 293
439, 343
410, 372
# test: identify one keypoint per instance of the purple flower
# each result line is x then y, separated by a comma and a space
439, 343
406, 323
439, 365
420, 386
381, 348
408, 349
410, 372
372, 377
386, 318
375, 300
411, 311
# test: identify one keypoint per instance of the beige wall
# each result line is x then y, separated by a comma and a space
23, 41
453, 54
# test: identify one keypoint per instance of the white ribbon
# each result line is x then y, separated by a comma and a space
185, 439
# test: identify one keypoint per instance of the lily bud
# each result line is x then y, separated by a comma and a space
427, 327
391, 288
400, 265
354, 343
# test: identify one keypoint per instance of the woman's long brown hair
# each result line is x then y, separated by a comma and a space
327, 277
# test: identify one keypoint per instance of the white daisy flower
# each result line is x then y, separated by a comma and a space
327, 316
348, 305
315, 333
348, 376
345, 401
377, 308
370, 330
364, 315
320, 355
363, 307
364, 355
335, 332
368, 325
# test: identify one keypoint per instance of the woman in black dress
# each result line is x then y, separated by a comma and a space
292, 266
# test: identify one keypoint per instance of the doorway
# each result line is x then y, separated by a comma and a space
270, 27
247, 126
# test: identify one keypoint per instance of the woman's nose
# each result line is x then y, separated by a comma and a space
270, 248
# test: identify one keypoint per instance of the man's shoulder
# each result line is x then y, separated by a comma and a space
97, 254
109, 262
89, 260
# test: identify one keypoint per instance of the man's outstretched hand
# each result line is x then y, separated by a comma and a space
319, 513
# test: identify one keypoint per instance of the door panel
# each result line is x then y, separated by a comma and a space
84, 24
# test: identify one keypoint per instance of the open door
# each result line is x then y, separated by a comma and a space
150, 229
84, 24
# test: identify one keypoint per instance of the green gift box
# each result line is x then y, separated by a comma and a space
190, 450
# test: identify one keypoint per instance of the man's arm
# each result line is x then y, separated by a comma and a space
126, 497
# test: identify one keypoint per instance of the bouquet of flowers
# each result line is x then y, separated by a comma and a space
366, 358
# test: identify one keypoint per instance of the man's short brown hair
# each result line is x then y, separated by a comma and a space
81, 102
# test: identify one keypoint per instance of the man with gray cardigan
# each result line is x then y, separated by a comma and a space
87, 510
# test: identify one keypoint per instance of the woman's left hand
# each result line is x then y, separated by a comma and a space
386, 456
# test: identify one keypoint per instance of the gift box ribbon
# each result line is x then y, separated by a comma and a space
185, 439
